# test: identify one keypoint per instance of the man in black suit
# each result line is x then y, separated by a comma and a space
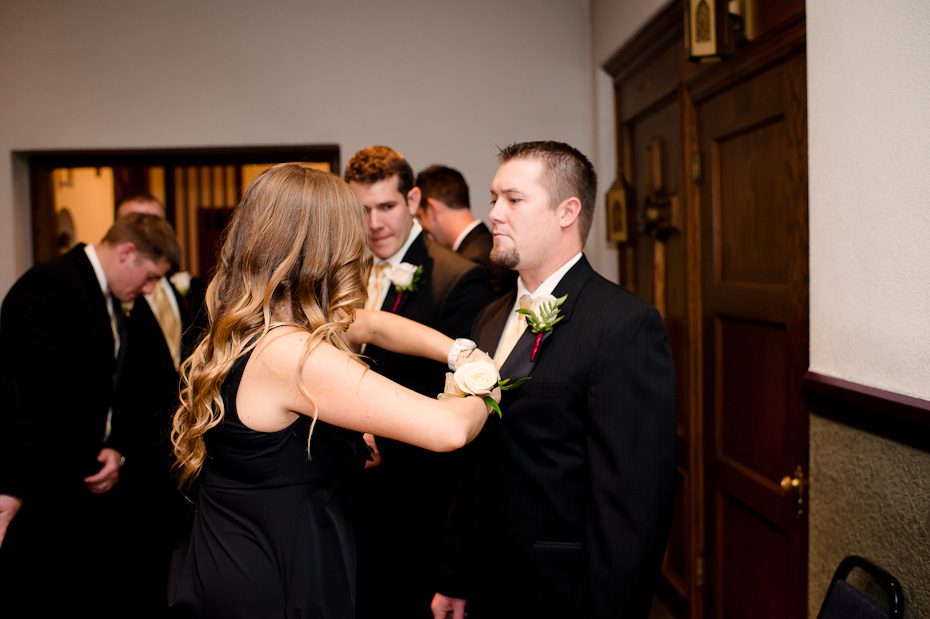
163, 326
445, 214
62, 343
405, 498
573, 486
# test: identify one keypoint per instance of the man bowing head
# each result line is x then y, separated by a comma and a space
571, 495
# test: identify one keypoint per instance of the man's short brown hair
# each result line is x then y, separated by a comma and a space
376, 163
444, 184
152, 235
567, 173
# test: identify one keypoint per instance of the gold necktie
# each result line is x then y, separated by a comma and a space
168, 321
512, 332
374, 292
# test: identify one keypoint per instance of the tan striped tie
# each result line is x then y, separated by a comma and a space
512, 333
374, 293
168, 321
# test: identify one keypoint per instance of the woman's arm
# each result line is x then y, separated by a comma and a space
398, 334
349, 395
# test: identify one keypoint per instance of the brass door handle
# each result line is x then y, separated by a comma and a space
797, 482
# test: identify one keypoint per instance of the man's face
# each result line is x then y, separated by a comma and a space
135, 275
389, 214
524, 224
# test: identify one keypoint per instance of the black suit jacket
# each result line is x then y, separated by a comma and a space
476, 246
404, 501
56, 378
572, 493
147, 393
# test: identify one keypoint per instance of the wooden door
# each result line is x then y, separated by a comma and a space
752, 142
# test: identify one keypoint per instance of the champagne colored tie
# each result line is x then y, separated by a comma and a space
168, 321
512, 333
374, 293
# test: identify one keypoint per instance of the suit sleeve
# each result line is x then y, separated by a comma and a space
470, 294
29, 338
631, 446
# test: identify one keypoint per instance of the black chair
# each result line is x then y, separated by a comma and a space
880, 597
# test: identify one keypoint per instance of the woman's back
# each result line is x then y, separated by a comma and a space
271, 536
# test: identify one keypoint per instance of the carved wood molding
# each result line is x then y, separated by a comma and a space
663, 30
897, 417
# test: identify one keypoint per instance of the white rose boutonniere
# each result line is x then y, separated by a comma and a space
406, 278
543, 315
477, 375
182, 282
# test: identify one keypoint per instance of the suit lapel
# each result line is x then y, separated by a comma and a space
417, 255
521, 361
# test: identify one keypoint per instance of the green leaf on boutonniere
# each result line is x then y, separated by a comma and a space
546, 317
506, 385
494, 405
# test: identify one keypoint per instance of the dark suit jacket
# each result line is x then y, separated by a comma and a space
476, 246
572, 493
152, 516
404, 500
56, 383
56, 377
147, 393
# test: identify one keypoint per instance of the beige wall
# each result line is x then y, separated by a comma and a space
441, 81
868, 88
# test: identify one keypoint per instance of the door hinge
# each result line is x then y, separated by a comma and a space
697, 167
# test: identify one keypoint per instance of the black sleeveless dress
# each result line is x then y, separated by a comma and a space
271, 536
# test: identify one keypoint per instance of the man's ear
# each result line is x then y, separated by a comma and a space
435, 206
568, 211
125, 251
413, 201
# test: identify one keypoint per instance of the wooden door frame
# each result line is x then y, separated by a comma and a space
40, 164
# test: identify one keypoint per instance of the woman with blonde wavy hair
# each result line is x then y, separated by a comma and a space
274, 403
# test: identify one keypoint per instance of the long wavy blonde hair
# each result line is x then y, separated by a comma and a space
294, 252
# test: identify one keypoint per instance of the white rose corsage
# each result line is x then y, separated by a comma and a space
477, 375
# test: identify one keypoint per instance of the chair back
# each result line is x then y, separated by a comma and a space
880, 598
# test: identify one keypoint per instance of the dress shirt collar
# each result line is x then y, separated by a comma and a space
98, 269
548, 284
465, 232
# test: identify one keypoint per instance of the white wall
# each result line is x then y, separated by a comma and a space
869, 117
441, 81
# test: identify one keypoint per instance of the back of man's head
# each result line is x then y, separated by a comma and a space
566, 173
151, 234
139, 203
376, 163
444, 184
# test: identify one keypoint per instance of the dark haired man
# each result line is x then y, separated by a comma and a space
61, 335
572, 491
163, 326
445, 214
404, 501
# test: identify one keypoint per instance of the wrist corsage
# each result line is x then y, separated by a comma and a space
477, 375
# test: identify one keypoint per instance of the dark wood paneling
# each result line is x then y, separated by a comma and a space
742, 540
751, 398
